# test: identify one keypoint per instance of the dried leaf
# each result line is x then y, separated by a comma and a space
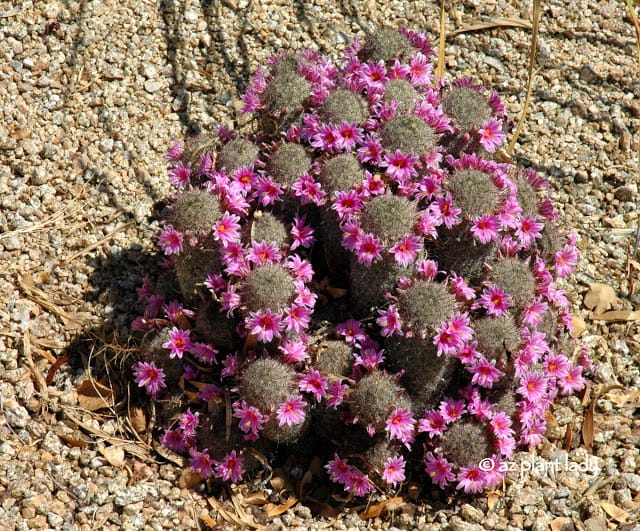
373, 511
600, 297
256, 498
615, 512
622, 399
113, 454
208, 521
616, 315
498, 22
93, 395
560, 523
75, 440
492, 498
568, 437
273, 510
138, 419
189, 479
588, 428
579, 326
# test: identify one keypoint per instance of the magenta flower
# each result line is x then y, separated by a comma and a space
302, 234
444, 209
485, 228
393, 472
533, 386
572, 381
406, 250
346, 204
491, 135
204, 353
368, 249
230, 366
339, 469
175, 440
495, 300
335, 394
433, 422
294, 350
400, 167
400, 425
556, 365
389, 321
352, 331
420, 70
565, 260
179, 342
302, 269
371, 150
369, 358
534, 313
308, 190
351, 234
149, 376
452, 409
267, 191
471, 479
265, 325
485, 373
314, 383
171, 240
263, 252
528, 230
358, 483
348, 135
174, 153
227, 229
251, 419
180, 175
201, 463
188, 422
291, 411
440, 470
501, 425
231, 467
209, 392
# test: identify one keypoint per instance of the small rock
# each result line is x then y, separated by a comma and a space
588, 74
134, 494
106, 146
471, 514
152, 86
633, 481
12, 242
55, 520
626, 193
595, 524
17, 417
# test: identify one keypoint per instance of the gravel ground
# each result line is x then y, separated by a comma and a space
91, 94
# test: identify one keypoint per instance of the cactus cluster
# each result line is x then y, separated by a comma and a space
358, 278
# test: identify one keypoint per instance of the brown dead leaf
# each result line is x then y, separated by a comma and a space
615, 512
568, 437
558, 524
492, 498
616, 316
93, 395
208, 521
588, 428
600, 297
189, 479
498, 22
272, 510
138, 419
579, 326
622, 399
256, 498
113, 454
75, 439
373, 511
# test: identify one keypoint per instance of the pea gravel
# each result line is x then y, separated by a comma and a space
92, 92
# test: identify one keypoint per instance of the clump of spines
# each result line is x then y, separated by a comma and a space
450, 260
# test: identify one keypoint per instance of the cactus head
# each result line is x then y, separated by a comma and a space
266, 383
424, 305
266, 227
517, 280
386, 45
497, 337
269, 286
374, 397
344, 105
473, 192
341, 173
467, 442
195, 212
409, 134
389, 217
288, 162
468, 108
239, 153
402, 92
